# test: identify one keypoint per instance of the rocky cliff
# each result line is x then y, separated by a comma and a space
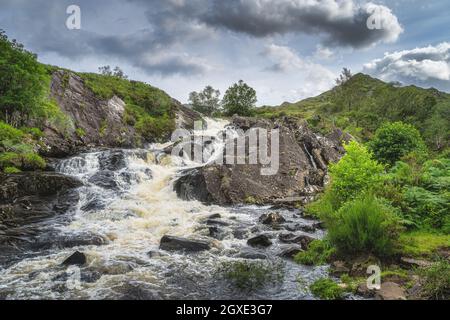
94, 122
304, 157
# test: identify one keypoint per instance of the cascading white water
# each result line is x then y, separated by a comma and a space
130, 203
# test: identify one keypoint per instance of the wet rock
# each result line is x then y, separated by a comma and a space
216, 222
272, 218
240, 233
303, 240
170, 243
192, 186
414, 263
290, 251
251, 254
156, 254
365, 292
390, 291
105, 180
306, 228
339, 268
215, 216
216, 233
297, 181
112, 160
53, 240
259, 241
76, 259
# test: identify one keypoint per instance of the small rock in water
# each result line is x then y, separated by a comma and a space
76, 259
303, 240
260, 241
251, 255
215, 216
272, 218
290, 251
170, 243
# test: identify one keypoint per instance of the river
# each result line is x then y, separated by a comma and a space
127, 204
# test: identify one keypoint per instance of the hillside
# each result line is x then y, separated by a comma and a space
53, 112
363, 103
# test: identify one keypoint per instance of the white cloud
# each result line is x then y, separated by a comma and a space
427, 66
312, 78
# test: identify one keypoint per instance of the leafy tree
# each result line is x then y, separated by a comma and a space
239, 99
355, 172
206, 102
395, 140
117, 72
23, 83
344, 77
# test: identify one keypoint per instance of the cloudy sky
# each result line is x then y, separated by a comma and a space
286, 49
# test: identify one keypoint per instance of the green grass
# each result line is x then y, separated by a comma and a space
251, 275
423, 243
327, 289
318, 253
437, 281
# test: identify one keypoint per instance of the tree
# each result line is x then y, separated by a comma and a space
23, 82
393, 141
344, 77
239, 99
117, 72
356, 172
206, 102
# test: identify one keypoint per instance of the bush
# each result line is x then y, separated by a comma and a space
251, 275
353, 174
9, 133
153, 129
26, 161
318, 253
327, 289
395, 140
365, 225
11, 170
428, 209
436, 281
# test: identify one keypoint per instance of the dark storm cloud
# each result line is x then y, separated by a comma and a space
340, 22
172, 27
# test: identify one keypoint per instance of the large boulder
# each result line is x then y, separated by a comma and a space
170, 243
302, 174
28, 199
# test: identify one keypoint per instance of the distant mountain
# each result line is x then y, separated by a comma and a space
363, 103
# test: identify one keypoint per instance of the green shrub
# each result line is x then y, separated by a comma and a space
327, 289
251, 275
437, 281
364, 225
153, 129
395, 140
80, 132
429, 209
9, 133
318, 253
353, 174
11, 170
26, 161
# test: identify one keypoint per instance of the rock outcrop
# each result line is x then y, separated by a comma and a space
27, 199
95, 123
303, 160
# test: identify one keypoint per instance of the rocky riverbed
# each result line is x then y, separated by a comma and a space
121, 224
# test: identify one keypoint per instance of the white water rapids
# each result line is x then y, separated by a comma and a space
130, 216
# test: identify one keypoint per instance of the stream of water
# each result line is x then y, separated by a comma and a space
128, 204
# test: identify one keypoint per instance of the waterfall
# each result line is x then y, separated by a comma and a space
128, 201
